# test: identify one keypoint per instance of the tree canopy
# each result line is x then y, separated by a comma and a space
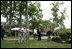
58, 21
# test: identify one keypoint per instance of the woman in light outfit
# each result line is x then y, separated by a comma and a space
35, 32
24, 34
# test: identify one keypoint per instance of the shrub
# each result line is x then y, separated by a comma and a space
65, 33
70, 36
69, 40
56, 38
62, 35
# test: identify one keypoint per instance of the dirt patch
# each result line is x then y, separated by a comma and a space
64, 41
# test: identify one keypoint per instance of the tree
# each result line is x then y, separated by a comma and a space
16, 9
7, 11
44, 24
57, 20
27, 24
35, 15
63, 17
10, 17
21, 11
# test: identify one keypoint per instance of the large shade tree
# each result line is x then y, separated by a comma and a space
14, 10
58, 21
6, 11
35, 15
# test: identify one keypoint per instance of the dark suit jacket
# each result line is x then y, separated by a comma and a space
2, 32
38, 31
49, 33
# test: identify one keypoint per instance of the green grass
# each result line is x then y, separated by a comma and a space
33, 44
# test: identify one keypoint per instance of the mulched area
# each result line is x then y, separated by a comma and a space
64, 41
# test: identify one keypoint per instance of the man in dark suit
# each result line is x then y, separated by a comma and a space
49, 34
2, 33
39, 33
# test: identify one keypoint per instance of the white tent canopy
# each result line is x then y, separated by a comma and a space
17, 28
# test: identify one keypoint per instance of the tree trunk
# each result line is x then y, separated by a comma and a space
27, 27
10, 18
20, 33
15, 33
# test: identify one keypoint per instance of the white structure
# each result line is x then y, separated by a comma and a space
17, 28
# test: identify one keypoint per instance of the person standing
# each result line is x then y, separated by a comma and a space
39, 33
20, 36
24, 34
49, 34
2, 33
35, 33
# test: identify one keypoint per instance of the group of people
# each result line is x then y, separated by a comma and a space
38, 33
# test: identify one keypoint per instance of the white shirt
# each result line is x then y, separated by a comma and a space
35, 31
24, 30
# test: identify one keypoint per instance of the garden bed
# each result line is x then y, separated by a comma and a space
62, 41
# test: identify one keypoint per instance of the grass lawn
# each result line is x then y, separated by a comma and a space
33, 44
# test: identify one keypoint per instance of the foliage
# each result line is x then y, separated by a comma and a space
65, 33
69, 40
44, 24
56, 37
58, 20
35, 15
34, 12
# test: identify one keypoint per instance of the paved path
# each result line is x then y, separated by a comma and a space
45, 37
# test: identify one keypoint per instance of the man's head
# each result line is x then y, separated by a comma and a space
2, 26
24, 27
